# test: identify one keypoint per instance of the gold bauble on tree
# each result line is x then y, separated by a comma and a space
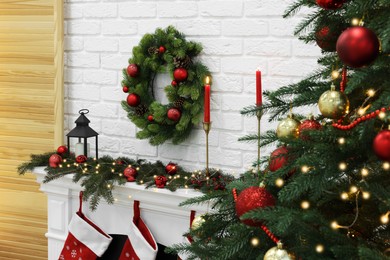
333, 104
278, 253
197, 222
288, 128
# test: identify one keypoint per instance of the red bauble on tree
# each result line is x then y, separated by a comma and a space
174, 114
130, 173
180, 74
326, 38
55, 160
133, 70
357, 46
171, 168
81, 159
278, 158
381, 145
330, 4
252, 198
62, 149
308, 125
125, 89
160, 181
133, 100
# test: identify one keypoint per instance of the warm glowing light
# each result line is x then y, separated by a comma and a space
305, 169
141, 181
385, 218
355, 21
97, 172
193, 175
94, 159
320, 248
344, 196
154, 176
366, 195
334, 225
386, 166
108, 185
129, 166
112, 170
129, 196
341, 140
60, 165
361, 111
85, 169
335, 74
186, 186
305, 204
120, 174
370, 92
113, 163
255, 241
68, 165
85, 164
382, 115
137, 168
343, 166
364, 172
64, 160
207, 80
185, 177
115, 199
353, 189
170, 177
279, 182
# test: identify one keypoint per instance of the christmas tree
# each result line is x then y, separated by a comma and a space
324, 193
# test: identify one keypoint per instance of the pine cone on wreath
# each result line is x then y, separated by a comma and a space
153, 50
182, 62
140, 110
179, 102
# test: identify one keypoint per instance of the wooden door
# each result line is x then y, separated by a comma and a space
31, 117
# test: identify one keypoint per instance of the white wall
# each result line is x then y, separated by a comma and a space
238, 36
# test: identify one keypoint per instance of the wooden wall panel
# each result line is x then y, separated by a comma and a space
31, 117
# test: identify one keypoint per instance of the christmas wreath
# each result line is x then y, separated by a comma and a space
164, 51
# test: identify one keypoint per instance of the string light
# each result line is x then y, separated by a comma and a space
344, 196
186, 186
115, 199
68, 165
97, 171
366, 195
385, 218
279, 182
334, 225
320, 248
364, 172
255, 241
112, 170
382, 115
370, 92
64, 160
85, 164
60, 165
120, 174
343, 166
109, 186
305, 169
85, 169
305, 204
355, 21
386, 166
341, 140
137, 168
335, 74
113, 163
129, 196
141, 181
353, 189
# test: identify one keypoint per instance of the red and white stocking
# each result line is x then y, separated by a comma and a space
85, 240
140, 244
188, 239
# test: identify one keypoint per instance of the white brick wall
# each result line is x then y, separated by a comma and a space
238, 37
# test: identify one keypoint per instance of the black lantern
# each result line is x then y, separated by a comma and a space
82, 131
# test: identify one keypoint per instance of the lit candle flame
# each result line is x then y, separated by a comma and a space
207, 80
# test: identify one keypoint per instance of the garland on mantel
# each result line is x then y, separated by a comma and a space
98, 177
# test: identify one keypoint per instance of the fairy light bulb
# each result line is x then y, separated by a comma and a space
279, 182
141, 181
68, 165
305, 204
355, 21
112, 170
319, 248
364, 172
255, 241
341, 140
115, 199
97, 172
335, 74
305, 169
382, 115
334, 225
353, 189
385, 218
120, 174
129, 196
366, 195
342, 166
386, 166
113, 163
137, 168
64, 160
85, 169
60, 165
361, 111
344, 196
370, 92
109, 186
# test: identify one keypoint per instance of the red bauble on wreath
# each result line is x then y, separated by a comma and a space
62, 149
55, 160
133, 100
278, 158
150, 118
171, 168
180, 74
161, 49
357, 46
330, 4
133, 70
174, 114
125, 89
326, 38
252, 198
381, 145
130, 173
81, 159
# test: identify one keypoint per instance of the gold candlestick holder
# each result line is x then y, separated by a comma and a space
207, 128
258, 114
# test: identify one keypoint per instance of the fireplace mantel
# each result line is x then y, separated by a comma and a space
159, 209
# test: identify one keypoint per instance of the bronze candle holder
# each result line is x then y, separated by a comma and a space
207, 128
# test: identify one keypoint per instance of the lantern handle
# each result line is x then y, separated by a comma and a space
82, 111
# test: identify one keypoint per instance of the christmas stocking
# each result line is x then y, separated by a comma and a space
188, 239
140, 244
85, 240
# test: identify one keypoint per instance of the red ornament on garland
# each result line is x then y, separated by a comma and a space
133, 100
381, 145
161, 49
252, 198
130, 173
174, 83
125, 89
180, 74
278, 158
357, 46
174, 114
133, 70
160, 181
330, 4
55, 160
308, 125
81, 159
62, 149
150, 118
171, 168
326, 38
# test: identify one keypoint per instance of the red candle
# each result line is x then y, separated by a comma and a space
259, 99
206, 118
